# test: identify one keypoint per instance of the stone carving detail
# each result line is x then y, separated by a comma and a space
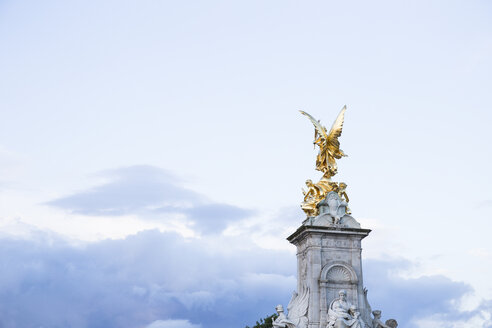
337, 271
297, 315
334, 206
342, 314
303, 266
377, 323
366, 313
338, 274
333, 212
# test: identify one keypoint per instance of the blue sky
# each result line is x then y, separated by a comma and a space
152, 156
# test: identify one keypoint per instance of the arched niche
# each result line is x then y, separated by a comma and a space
338, 272
336, 275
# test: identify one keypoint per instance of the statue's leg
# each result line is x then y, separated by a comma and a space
340, 324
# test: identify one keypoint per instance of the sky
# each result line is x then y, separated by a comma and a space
152, 156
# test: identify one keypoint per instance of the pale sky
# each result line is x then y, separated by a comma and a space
173, 127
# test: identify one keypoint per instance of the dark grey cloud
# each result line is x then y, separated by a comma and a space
150, 192
155, 277
409, 299
144, 278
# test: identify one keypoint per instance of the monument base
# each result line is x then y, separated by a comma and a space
328, 261
330, 288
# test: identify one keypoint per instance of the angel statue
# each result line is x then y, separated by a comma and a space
329, 151
329, 146
297, 316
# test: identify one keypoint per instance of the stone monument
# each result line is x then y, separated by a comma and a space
330, 288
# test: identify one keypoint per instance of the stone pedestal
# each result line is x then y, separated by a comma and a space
329, 260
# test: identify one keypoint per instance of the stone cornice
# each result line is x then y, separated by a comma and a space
323, 230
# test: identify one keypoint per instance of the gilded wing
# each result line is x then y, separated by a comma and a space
320, 130
335, 132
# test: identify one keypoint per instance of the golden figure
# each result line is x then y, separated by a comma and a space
329, 146
311, 197
343, 194
329, 151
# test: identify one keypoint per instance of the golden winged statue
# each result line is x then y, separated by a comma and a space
329, 152
329, 146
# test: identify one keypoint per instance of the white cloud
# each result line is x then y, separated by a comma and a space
478, 320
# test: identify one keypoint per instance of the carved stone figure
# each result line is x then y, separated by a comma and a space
332, 212
376, 322
334, 206
297, 315
281, 321
342, 314
315, 194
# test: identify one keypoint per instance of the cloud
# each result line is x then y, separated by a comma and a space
151, 193
157, 279
479, 317
130, 190
148, 278
209, 218
416, 301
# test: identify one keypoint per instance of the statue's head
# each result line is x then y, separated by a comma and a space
342, 294
279, 308
309, 182
333, 196
342, 186
376, 314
